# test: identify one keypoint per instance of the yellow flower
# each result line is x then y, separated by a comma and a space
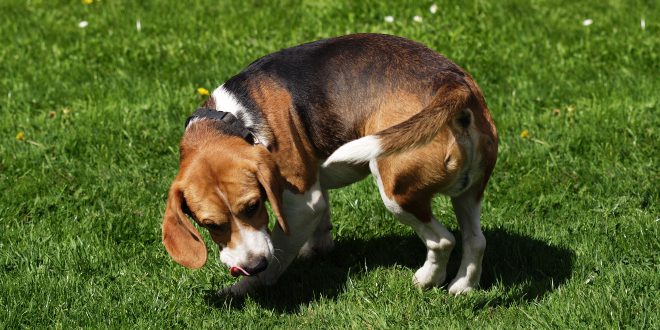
524, 134
87, 2
20, 136
203, 91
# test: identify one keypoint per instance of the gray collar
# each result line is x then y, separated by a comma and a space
226, 117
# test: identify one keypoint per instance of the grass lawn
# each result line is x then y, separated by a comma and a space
90, 120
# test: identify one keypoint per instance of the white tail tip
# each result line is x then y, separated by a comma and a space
357, 151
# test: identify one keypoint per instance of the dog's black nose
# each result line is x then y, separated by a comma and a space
259, 267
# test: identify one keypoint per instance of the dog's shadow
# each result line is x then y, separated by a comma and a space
527, 268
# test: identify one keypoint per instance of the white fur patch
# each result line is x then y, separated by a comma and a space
390, 204
254, 243
339, 175
227, 102
361, 150
468, 213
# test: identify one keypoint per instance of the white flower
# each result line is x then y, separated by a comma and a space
417, 18
138, 25
587, 22
389, 19
83, 24
433, 9
642, 23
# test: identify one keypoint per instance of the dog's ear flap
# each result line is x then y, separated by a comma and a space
181, 239
270, 179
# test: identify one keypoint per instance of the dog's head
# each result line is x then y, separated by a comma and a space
222, 184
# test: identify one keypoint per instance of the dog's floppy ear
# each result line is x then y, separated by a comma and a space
182, 241
269, 178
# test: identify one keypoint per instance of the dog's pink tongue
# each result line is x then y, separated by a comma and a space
236, 271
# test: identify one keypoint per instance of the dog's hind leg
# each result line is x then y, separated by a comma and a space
468, 210
415, 210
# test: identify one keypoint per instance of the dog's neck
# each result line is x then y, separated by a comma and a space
231, 123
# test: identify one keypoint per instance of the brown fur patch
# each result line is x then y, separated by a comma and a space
411, 178
451, 97
392, 109
291, 148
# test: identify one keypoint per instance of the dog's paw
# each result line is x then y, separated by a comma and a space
429, 276
461, 285
241, 288
317, 247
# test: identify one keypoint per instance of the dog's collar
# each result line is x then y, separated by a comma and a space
227, 118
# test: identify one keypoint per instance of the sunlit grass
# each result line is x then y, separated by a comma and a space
91, 114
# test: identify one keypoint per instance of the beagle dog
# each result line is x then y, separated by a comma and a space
320, 116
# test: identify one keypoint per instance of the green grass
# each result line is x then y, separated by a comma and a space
571, 214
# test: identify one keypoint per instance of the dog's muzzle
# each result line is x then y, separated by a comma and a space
249, 271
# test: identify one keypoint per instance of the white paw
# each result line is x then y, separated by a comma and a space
461, 286
317, 247
429, 276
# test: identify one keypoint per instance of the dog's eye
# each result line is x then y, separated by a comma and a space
251, 209
223, 227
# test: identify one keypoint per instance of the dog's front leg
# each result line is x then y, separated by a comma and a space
320, 243
303, 213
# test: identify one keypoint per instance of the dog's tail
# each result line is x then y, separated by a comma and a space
453, 95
